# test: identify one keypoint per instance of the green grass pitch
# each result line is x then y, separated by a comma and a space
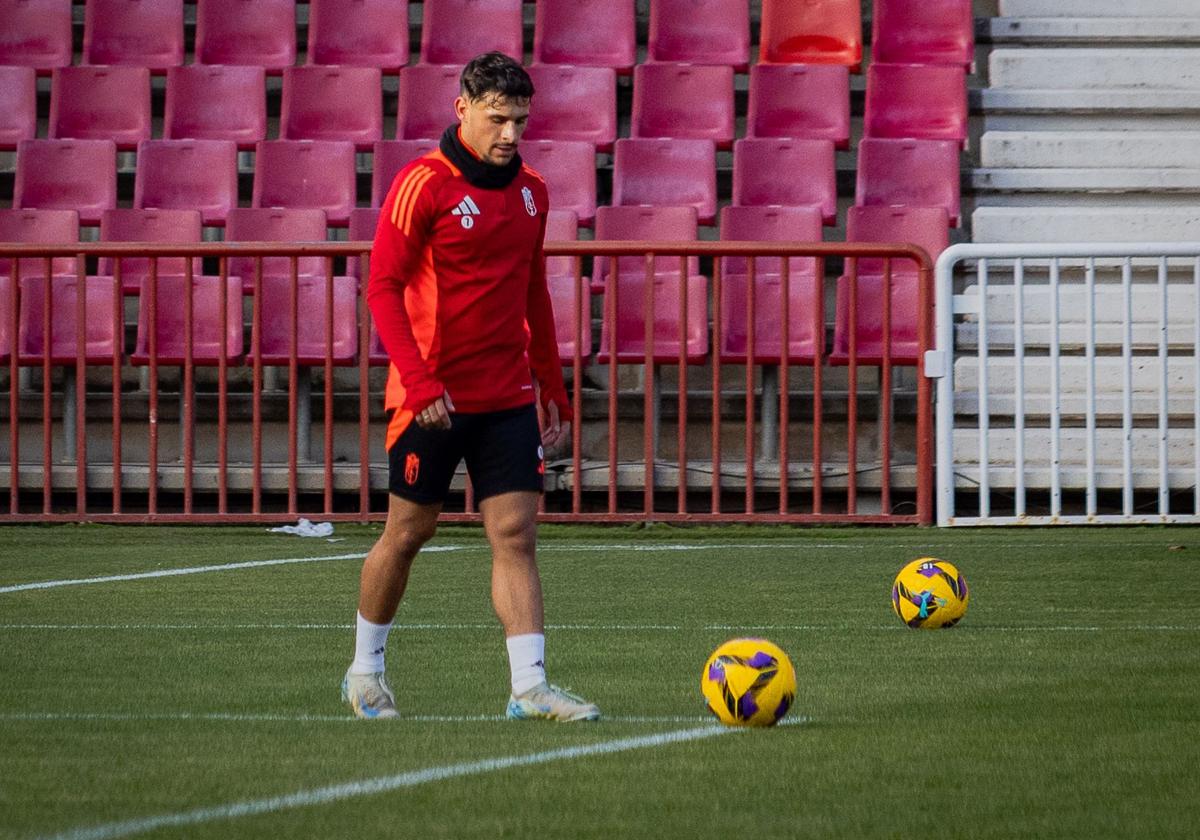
1066, 704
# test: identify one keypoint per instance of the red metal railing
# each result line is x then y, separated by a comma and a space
802, 490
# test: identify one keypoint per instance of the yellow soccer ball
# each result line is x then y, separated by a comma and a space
748, 682
930, 593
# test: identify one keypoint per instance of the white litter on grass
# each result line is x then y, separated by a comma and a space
305, 528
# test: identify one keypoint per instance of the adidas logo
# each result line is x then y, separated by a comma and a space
467, 209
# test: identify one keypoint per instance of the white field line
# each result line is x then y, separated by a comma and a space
379, 784
238, 717
606, 628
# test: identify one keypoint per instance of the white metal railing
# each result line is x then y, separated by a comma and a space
1115, 452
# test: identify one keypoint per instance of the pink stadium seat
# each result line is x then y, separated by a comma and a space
125, 225
769, 224
360, 33
168, 300
574, 103
928, 227
455, 31
389, 158
811, 32
800, 100
363, 221
18, 106
811, 179
216, 102
925, 101
39, 227
261, 32
665, 342
306, 173
78, 175
569, 168
666, 173
562, 226
7, 305
684, 101
332, 103
36, 33
701, 32
144, 33
100, 336
653, 224
592, 33
101, 103
311, 321
187, 175
915, 173
426, 102
923, 32
246, 224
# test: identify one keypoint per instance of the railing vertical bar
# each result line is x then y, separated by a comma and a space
885, 396
718, 349
818, 316
14, 392
785, 349
223, 385
1196, 386
80, 388
364, 403
47, 427
1164, 498
256, 389
611, 291
1127, 391
1055, 395
469, 496
852, 387
649, 404
1019, 385
751, 347
293, 383
152, 327
1090, 395
583, 327
328, 450
985, 472
925, 442
681, 420
188, 383
118, 354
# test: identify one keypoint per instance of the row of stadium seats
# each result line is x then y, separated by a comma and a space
375, 33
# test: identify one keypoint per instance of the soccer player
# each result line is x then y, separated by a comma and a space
457, 289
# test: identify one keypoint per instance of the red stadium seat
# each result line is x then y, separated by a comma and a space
363, 222
426, 102
332, 103
100, 335
800, 100
562, 226
36, 33
261, 32
455, 31
125, 225
215, 102
306, 173
654, 224
101, 103
246, 224
18, 106
923, 32
925, 101
39, 227
811, 32
666, 173
7, 305
78, 175
360, 33
668, 327
311, 321
811, 180
144, 33
928, 227
683, 101
574, 103
167, 299
700, 32
188, 175
569, 168
914, 173
390, 156
591, 33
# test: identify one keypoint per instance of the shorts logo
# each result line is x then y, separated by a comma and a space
530, 207
468, 210
412, 466
541, 461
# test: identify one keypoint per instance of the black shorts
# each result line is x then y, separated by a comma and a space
503, 451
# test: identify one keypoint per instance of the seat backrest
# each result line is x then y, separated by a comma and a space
126, 225
332, 103
78, 175
259, 32
187, 175
770, 224
18, 106
101, 336
362, 33
800, 100
923, 31
104, 103
36, 33
426, 100
216, 102
169, 302
455, 31
592, 33
811, 32
390, 156
561, 226
574, 103
40, 227
363, 222
926, 101
306, 173
928, 227
145, 33
275, 224
914, 173
684, 101
312, 321
653, 224
663, 172
569, 168
811, 180
700, 31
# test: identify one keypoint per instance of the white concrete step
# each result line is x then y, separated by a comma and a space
1073, 448
1158, 102
1045, 31
1086, 224
1094, 149
1098, 8
1071, 180
1089, 69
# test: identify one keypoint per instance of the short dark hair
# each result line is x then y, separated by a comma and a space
497, 74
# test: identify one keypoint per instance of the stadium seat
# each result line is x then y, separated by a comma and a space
924, 101
332, 103
171, 226
569, 168
78, 175
363, 221
39, 227
654, 224
18, 106
700, 32
668, 327
101, 103
455, 31
683, 101
168, 301
144, 33
306, 173
426, 101
590, 33
562, 226
36, 33
769, 224
666, 173
811, 179
914, 173
358, 33
261, 32
574, 103
7, 304
800, 100
811, 32
390, 156
100, 332
275, 224
923, 32
928, 227
311, 321
187, 175
216, 102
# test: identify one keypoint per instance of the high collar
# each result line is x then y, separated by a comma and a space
484, 175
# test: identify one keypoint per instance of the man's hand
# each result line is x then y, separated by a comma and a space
436, 415
554, 432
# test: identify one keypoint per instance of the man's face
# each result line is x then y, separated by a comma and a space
492, 125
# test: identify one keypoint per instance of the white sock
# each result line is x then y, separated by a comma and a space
527, 660
370, 641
